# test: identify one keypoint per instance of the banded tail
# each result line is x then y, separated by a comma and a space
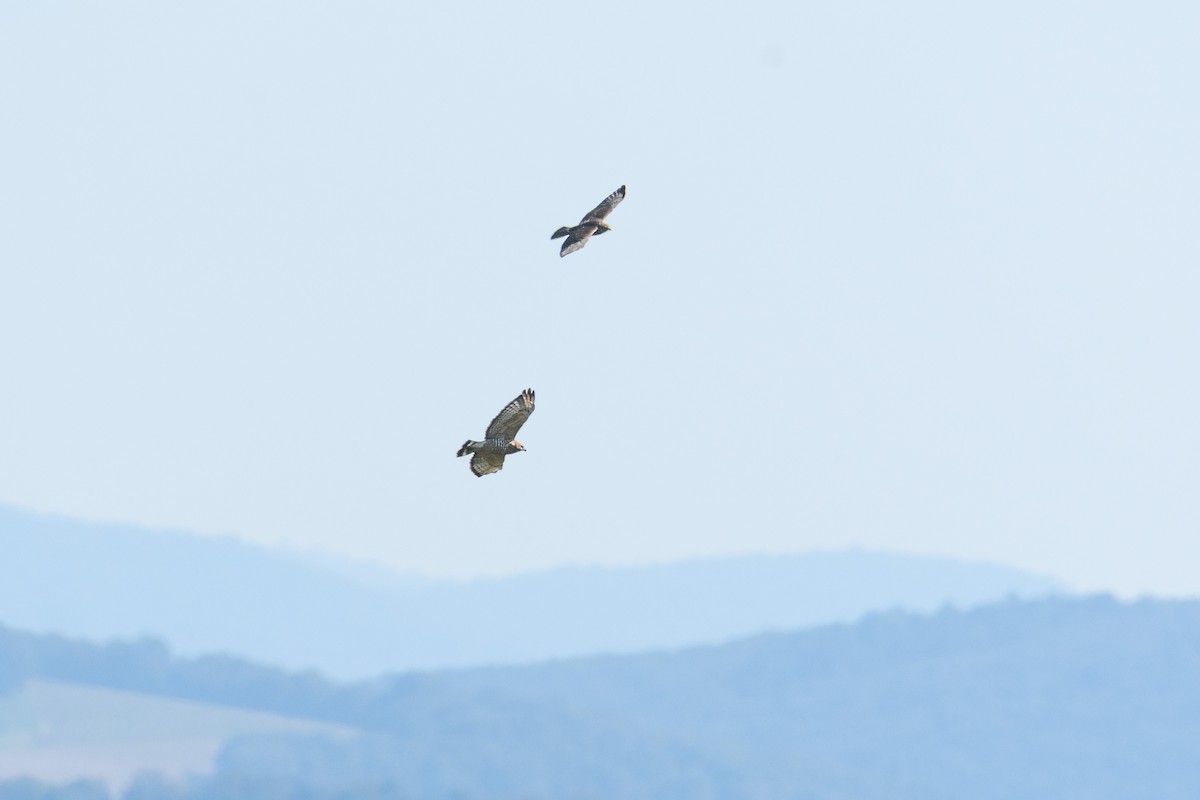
563, 231
468, 447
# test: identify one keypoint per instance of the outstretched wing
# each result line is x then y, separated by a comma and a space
601, 211
485, 462
509, 421
576, 239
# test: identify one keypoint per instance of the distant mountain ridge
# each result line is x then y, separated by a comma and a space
218, 594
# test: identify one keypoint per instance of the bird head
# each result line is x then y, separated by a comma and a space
516, 447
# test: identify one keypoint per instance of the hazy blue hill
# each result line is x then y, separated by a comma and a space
217, 594
1083, 698
1062, 698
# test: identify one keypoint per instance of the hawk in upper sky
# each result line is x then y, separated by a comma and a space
499, 440
591, 224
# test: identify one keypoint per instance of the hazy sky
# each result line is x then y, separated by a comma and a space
921, 277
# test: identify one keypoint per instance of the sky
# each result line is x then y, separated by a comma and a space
917, 278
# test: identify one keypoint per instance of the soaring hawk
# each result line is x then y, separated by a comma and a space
488, 455
592, 224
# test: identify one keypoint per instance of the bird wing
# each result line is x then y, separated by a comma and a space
601, 211
510, 419
485, 462
576, 239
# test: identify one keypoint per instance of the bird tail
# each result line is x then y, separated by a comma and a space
563, 231
468, 447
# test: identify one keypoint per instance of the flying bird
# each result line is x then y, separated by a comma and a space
500, 440
592, 224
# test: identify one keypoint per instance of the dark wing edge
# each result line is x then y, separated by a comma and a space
511, 417
601, 211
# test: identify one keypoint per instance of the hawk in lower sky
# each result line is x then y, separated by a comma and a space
499, 440
592, 224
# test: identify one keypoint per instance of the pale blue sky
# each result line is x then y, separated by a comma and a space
921, 278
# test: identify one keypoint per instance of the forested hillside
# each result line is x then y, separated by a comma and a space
1058, 698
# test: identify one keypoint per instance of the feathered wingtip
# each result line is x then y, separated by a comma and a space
563, 231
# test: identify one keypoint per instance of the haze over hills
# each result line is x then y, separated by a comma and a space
1081, 697
218, 594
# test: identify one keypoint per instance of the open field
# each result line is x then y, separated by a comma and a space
60, 732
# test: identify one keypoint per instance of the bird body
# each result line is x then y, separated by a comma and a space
592, 224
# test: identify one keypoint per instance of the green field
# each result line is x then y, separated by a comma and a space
60, 732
